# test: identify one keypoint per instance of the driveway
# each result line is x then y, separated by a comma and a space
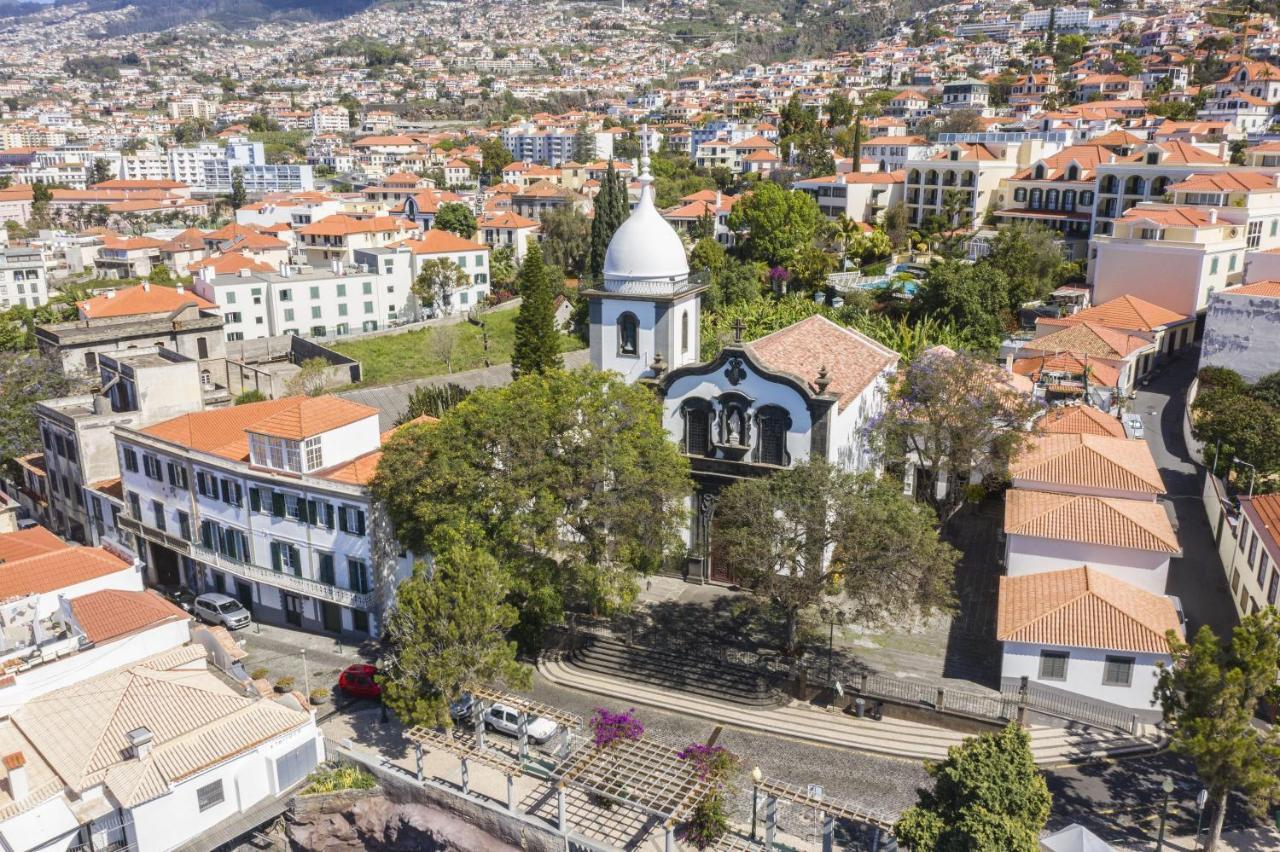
1197, 577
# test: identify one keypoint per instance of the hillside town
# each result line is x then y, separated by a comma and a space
834, 425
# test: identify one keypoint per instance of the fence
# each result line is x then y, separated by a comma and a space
1070, 707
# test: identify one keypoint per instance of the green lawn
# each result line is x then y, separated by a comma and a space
418, 354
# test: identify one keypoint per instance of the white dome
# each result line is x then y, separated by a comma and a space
645, 246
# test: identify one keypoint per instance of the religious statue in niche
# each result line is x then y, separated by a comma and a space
735, 427
735, 432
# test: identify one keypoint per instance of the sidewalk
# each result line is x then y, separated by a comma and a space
893, 737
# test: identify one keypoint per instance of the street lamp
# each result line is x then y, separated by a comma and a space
756, 777
1167, 786
1253, 472
1201, 798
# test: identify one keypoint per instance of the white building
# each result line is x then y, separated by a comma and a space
807, 390
469, 256
267, 502
1083, 631
109, 762
1242, 330
23, 278
1064, 18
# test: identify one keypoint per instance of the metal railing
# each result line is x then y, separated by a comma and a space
281, 580
173, 542
1073, 708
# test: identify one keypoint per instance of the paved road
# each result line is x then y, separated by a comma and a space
1197, 577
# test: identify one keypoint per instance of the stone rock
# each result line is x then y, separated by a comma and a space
377, 824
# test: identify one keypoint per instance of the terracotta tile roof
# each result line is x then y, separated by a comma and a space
1183, 153
1100, 371
358, 471
230, 231
1258, 288
111, 241
1083, 608
507, 219
1108, 521
111, 613
1089, 338
119, 183
1127, 313
1184, 217
192, 239
439, 241
1089, 461
58, 569
230, 264
339, 225
1267, 507
224, 431
1079, 420
196, 721
1087, 157
1227, 180
142, 298
852, 359
29, 542
1116, 139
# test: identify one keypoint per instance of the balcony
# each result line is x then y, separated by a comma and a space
164, 539
287, 582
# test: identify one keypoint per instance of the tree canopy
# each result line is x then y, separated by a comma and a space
797, 535
974, 297
436, 278
568, 478
457, 218
774, 223
987, 795
537, 344
26, 377
566, 239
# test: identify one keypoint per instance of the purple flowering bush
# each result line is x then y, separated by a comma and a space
709, 821
608, 727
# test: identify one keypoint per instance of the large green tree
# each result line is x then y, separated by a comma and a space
774, 224
987, 797
448, 633
955, 416
537, 344
566, 239
568, 478
436, 278
815, 529
238, 197
1209, 696
495, 157
974, 298
1028, 255
456, 218
609, 214
26, 377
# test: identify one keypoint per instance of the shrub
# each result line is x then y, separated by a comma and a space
608, 727
259, 673
319, 695
709, 822
1221, 377
328, 779
284, 684
250, 396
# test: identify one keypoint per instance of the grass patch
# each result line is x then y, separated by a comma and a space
330, 779
421, 353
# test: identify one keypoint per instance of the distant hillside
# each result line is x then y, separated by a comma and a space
157, 15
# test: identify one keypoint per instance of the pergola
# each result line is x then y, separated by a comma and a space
812, 797
639, 774
467, 753
526, 708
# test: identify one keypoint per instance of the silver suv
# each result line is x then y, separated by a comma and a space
221, 609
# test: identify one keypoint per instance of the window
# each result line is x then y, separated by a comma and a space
684, 332
315, 292
232, 495
1020, 194
232, 316
1253, 551
360, 620
367, 288
1274, 587
184, 525
358, 574
351, 520
130, 460
628, 335
231, 297
368, 307
318, 331
342, 308
286, 296
342, 291
315, 456
1117, 671
326, 569
285, 557
772, 445
1053, 665
315, 312
151, 466
1213, 266
157, 510
697, 428
209, 795
1231, 263
288, 314
177, 475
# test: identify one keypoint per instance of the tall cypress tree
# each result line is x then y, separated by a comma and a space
537, 345
610, 211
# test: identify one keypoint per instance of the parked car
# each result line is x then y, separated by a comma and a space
460, 711
1177, 608
221, 609
357, 680
180, 596
1134, 422
506, 720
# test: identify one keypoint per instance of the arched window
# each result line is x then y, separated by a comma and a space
948, 178
914, 177
1158, 185
1039, 174
931, 177
1073, 173
1020, 194
628, 335
1109, 184
968, 179
684, 332
771, 446
1134, 185
697, 427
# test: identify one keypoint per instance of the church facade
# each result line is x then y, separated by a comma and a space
810, 389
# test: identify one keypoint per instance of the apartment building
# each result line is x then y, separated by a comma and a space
1144, 173
1172, 256
891, 153
966, 94
969, 172
1257, 193
471, 257
267, 502
338, 237
139, 386
507, 230
331, 300
24, 278
860, 196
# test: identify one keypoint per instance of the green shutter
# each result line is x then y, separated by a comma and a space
275, 556
342, 518
255, 500
295, 559
359, 521
277, 504
311, 512
328, 515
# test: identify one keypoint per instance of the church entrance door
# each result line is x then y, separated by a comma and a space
721, 569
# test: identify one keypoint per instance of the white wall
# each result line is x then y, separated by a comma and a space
1243, 334
175, 818
849, 445
39, 826
631, 368
1170, 276
1145, 569
762, 390
127, 579
1084, 672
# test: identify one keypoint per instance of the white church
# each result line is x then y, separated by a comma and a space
810, 388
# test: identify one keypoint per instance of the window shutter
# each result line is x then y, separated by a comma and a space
173, 474
202, 483
275, 556
206, 535
295, 560
277, 504
311, 512
225, 486
359, 521
342, 519
255, 499
239, 493
328, 515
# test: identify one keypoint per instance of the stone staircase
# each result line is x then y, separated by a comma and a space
678, 670
1051, 745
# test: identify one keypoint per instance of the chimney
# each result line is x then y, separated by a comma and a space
1213, 215
335, 266
245, 272
15, 765
180, 289
206, 273
111, 294
139, 742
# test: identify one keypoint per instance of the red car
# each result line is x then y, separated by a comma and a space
357, 681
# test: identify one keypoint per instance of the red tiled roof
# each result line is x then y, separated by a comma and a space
852, 359
111, 613
140, 299
29, 542
59, 569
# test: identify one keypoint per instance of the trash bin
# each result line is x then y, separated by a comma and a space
859, 706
